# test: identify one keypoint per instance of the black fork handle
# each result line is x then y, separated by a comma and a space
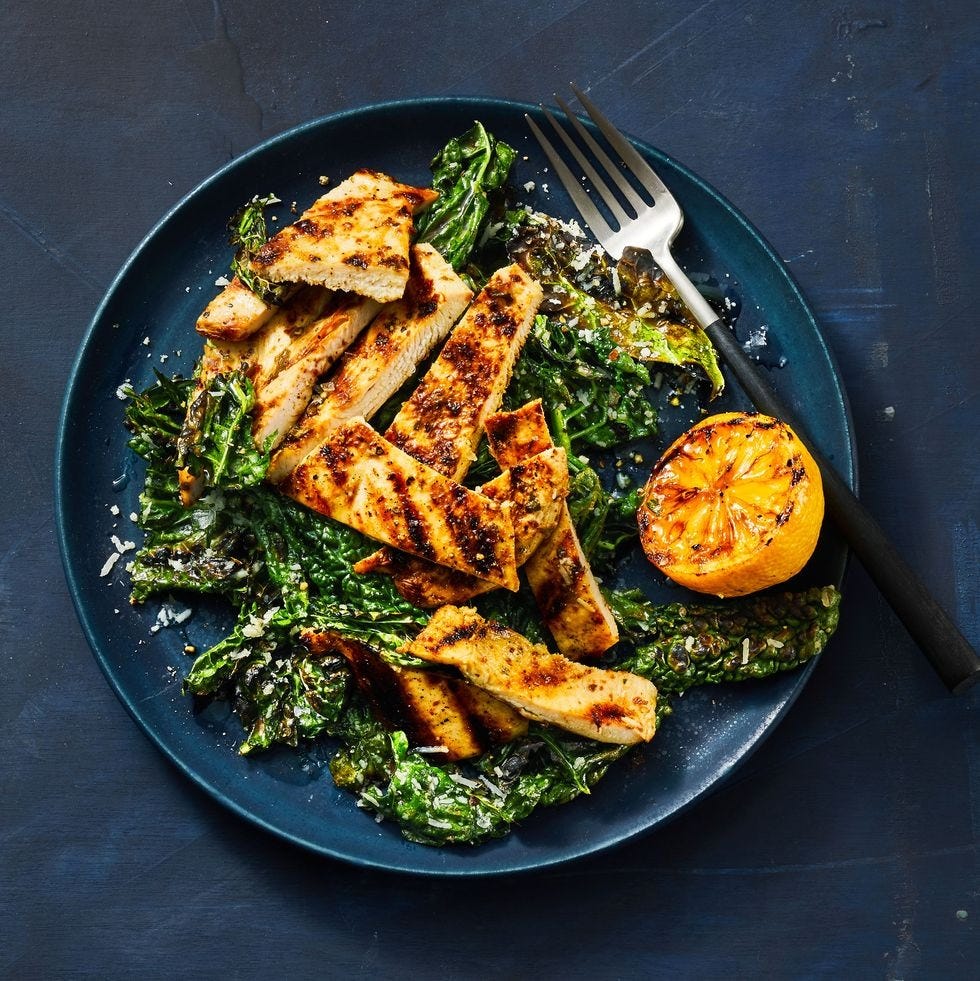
949, 652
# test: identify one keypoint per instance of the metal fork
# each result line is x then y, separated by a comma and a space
655, 226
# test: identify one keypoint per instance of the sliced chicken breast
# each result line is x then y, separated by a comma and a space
277, 343
362, 480
383, 357
442, 421
234, 314
536, 489
282, 397
608, 706
354, 238
434, 711
558, 572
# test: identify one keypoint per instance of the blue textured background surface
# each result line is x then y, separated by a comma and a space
848, 845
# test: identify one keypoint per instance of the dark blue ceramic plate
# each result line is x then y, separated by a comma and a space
157, 296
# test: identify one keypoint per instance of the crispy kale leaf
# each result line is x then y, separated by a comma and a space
594, 394
683, 645
466, 173
632, 308
282, 693
248, 233
302, 579
200, 548
456, 804
215, 442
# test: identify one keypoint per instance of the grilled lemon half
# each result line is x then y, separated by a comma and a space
733, 506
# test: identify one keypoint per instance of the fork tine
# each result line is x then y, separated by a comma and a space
643, 171
600, 185
582, 201
611, 169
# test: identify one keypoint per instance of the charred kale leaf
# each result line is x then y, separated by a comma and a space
457, 804
631, 308
683, 645
466, 173
247, 234
198, 548
215, 443
282, 693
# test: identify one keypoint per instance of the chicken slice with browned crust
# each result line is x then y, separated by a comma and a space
284, 390
558, 571
445, 715
382, 358
536, 488
360, 479
354, 238
234, 314
443, 420
605, 705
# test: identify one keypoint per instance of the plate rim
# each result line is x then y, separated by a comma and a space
93, 638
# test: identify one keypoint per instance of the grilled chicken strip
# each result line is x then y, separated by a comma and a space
568, 596
275, 345
362, 480
234, 314
284, 390
442, 421
537, 489
250, 355
608, 706
354, 238
433, 710
383, 357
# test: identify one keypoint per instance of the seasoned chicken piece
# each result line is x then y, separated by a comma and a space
536, 488
354, 238
568, 596
283, 393
443, 420
361, 480
571, 604
275, 345
251, 356
514, 436
432, 709
234, 314
383, 357
609, 706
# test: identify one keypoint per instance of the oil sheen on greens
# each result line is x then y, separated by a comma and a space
283, 568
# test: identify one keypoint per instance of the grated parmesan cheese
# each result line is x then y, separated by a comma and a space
122, 547
109, 563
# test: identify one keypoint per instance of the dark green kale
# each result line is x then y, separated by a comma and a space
215, 443
466, 173
687, 644
248, 233
308, 561
199, 548
630, 311
595, 395
282, 693
460, 804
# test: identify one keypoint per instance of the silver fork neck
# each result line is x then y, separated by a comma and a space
696, 303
